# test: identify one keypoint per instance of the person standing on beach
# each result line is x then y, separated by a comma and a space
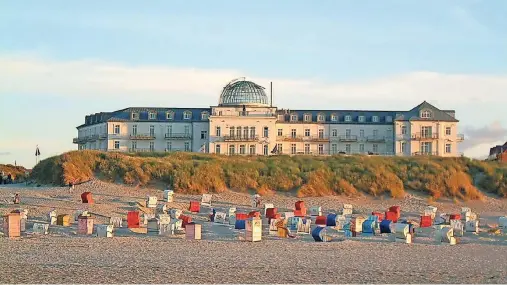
71, 187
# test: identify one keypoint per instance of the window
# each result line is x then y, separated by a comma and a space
152, 115
242, 149
320, 118
218, 131
117, 129
321, 133
307, 148
293, 148
426, 132
375, 148
426, 147
280, 118
389, 119
447, 131
348, 118
266, 132
348, 133
134, 145
361, 133
169, 130
116, 144
220, 113
374, 119
294, 117
321, 149
231, 131
308, 117
334, 118
293, 133
187, 115
252, 149
403, 130
347, 148
238, 132
152, 131
169, 115
134, 130
334, 148
403, 147
204, 135
204, 116
307, 132
425, 114
187, 130
447, 148
389, 134
280, 132
252, 132
375, 133
135, 116
232, 150
245, 132
361, 119
217, 149
334, 132
266, 149
361, 148
169, 146
152, 146
187, 146
279, 148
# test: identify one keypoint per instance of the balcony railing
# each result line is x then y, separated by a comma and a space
240, 138
92, 138
155, 150
424, 153
375, 139
245, 114
142, 136
102, 136
303, 138
178, 136
460, 137
424, 136
349, 138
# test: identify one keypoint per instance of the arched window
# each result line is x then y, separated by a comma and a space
187, 115
425, 114
204, 116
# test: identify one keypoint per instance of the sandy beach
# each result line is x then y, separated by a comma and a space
224, 257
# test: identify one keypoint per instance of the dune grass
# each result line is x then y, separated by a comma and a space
307, 175
17, 172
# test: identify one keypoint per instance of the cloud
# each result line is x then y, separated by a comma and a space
31, 74
483, 138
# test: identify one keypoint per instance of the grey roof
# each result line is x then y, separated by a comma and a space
437, 114
124, 115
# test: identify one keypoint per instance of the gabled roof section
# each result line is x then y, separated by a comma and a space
436, 114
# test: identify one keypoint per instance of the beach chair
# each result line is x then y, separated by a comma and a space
206, 200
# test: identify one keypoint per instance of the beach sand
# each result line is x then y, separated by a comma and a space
224, 257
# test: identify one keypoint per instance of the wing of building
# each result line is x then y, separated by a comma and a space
244, 123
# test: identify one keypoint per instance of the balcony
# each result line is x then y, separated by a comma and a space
303, 138
178, 136
92, 138
424, 136
460, 137
375, 139
349, 138
102, 136
142, 136
240, 138
245, 114
421, 153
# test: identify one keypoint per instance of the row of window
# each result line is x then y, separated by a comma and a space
170, 115
426, 130
242, 149
169, 147
244, 132
334, 118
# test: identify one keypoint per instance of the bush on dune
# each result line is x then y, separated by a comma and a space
308, 176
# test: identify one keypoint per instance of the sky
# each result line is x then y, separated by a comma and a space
62, 60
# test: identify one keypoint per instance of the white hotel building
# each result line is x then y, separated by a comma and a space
244, 123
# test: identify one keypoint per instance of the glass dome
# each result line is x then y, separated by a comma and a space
241, 92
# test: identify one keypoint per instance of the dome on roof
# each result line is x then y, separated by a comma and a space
241, 92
